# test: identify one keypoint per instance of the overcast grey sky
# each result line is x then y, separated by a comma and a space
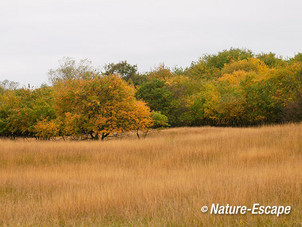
35, 34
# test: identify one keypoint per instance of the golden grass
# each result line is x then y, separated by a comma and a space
162, 180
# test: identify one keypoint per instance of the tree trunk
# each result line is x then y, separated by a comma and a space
104, 134
146, 133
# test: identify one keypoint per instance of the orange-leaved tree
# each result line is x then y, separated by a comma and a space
99, 106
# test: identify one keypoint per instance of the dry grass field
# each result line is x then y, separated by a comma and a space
162, 180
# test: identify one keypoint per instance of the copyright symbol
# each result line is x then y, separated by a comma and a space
204, 209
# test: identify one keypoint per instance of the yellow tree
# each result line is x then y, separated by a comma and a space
161, 72
99, 106
247, 65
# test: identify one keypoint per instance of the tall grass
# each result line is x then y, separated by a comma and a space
162, 180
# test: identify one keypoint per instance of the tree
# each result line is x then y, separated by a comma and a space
71, 69
158, 96
8, 85
159, 120
21, 109
161, 73
230, 88
209, 66
288, 81
261, 104
247, 65
122, 69
99, 106
296, 58
271, 60
226, 56
46, 129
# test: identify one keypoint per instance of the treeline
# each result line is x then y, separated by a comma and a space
232, 88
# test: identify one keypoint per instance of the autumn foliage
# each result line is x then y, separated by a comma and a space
95, 107
99, 106
231, 88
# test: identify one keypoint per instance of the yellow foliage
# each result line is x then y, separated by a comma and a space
247, 65
47, 129
234, 78
161, 73
102, 105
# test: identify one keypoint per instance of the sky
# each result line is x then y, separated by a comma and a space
36, 34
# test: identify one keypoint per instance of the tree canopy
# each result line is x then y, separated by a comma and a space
234, 87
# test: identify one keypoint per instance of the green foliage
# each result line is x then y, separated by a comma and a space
271, 60
156, 94
296, 58
21, 109
247, 93
126, 71
261, 106
161, 73
226, 56
161, 96
159, 120
289, 83
209, 66
231, 88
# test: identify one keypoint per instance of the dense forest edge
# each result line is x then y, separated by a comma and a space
234, 87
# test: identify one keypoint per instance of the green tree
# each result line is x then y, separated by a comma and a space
159, 120
296, 58
21, 109
209, 66
161, 73
288, 81
226, 56
271, 60
158, 97
125, 70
